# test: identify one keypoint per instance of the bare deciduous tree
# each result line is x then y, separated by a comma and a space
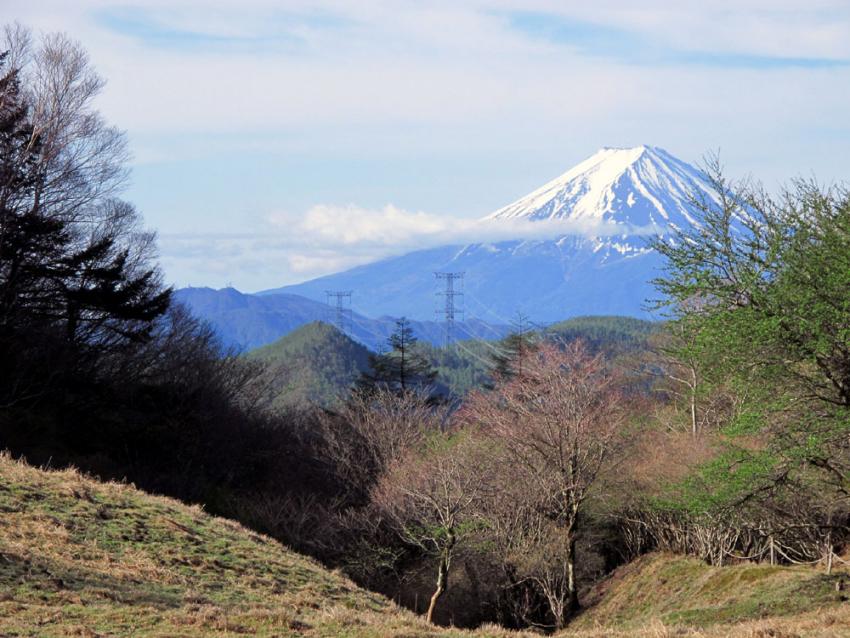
84, 160
373, 430
555, 430
675, 354
429, 496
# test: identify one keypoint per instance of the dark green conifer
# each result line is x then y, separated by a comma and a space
515, 349
402, 368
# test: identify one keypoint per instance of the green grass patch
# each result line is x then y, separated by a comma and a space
681, 591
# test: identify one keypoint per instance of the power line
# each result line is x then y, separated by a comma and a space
450, 311
499, 335
483, 340
340, 312
487, 364
540, 326
489, 310
380, 337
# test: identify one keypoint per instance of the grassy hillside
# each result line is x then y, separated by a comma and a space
83, 558
315, 364
675, 592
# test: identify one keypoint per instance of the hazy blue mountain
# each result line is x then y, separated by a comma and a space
249, 321
546, 280
624, 194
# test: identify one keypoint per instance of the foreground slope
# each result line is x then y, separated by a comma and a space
83, 558
668, 591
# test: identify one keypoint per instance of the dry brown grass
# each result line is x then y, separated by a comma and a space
82, 558
833, 624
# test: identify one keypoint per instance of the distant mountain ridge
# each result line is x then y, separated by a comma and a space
247, 321
617, 197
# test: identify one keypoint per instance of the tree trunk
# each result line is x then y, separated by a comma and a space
693, 394
572, 588
442, 583
829, 552
562, 604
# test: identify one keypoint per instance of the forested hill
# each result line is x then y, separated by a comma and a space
317, 364
610, 334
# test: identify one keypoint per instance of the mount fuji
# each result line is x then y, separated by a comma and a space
601, 212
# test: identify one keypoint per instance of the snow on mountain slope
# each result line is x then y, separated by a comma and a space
602, 265
639, 187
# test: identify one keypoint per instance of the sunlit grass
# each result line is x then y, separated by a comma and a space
82, 558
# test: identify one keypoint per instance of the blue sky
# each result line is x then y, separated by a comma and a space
250, 120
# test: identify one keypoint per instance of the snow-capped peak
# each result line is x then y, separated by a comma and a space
639, 187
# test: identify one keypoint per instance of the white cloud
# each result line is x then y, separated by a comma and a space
348, 225
393, 229
323, 262
329, 239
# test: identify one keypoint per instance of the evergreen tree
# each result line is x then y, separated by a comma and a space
28, 242
107, 301
515, 348
71, 292
403, 368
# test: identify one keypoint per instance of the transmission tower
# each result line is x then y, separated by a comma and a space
449, 310
339, 311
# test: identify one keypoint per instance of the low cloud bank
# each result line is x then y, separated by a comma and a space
330, 238
394, 227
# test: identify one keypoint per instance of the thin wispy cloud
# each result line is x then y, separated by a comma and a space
637, 47
393, 229
174, 28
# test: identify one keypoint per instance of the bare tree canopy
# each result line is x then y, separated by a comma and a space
430, 495
554, 430
83, 159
